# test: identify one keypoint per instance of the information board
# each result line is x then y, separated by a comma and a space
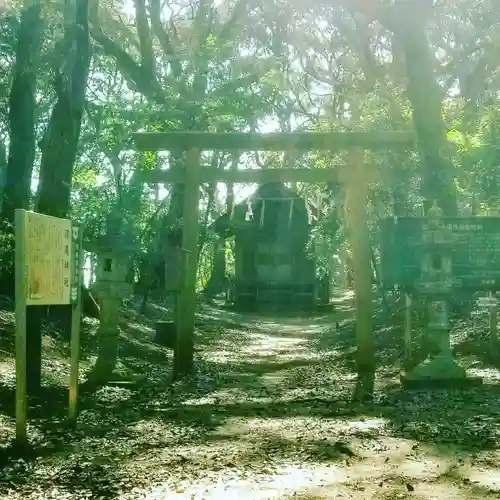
475, 251
48, 271
51, 248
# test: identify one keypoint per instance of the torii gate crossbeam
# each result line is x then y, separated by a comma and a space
355, 178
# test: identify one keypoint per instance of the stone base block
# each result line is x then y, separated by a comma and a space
442, 383
437, 373
166, 334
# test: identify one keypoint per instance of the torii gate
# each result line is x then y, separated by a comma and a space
354, 177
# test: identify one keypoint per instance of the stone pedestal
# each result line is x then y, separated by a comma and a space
440, 369
110, 298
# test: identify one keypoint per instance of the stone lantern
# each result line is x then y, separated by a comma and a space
114, 251
435, 285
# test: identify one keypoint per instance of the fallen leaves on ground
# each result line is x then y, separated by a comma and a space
270, 405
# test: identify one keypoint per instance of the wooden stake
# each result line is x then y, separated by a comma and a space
231, 216
344, 282
249, 214
21, 365
184, 351
76, 321
493, 329
290, 213
262, 213
356, 182
408, 326
308, 209
230, 203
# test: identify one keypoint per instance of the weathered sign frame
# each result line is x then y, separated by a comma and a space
355, 178
477, 271
71, 245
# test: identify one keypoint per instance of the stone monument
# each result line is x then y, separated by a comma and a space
436, 285
114, 251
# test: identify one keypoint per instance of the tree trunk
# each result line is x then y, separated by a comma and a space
407, 20
408, 23
22, 105
217, 281
17, 181
3, 171
22, 138
215, 285
171, 226
59, 146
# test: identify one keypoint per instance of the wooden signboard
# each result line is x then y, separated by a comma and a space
50, 248
475, 251
48, 269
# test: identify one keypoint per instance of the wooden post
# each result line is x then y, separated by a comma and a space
21, 364
235, 160
356, 178
408, 326
344, 282
493, 327
262, 213
184, 350
76, 321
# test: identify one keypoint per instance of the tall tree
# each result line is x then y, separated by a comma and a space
22, 105
407, 20
59, 145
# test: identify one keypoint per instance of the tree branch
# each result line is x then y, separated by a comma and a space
144, 32
164, 39
228, 29
133, 72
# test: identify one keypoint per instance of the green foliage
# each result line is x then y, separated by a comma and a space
6, 249
265, 66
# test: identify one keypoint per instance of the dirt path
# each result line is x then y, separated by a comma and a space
269, 415
302, 454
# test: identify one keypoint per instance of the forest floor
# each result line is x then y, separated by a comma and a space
269, 415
